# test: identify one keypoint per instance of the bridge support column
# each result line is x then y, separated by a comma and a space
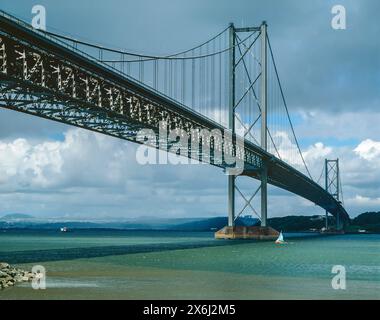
326, 188
338, 224
231, 200
264, 197
231, 123
263, 232
333, 186
264, 124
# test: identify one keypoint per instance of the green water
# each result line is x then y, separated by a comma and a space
231, 270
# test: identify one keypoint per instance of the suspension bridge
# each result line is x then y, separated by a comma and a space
220, 102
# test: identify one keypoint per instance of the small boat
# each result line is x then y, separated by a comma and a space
280, 239
64, 229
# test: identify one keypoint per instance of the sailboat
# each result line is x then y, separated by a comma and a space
280, 239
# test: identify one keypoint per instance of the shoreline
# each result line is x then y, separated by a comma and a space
10, 276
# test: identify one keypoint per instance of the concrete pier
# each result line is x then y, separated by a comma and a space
253, 233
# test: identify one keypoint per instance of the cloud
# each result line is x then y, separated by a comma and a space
346, 126
88, 174
364, 201
92, 175
317, 152
95, 175
81, 158
27, 165
361, 203
368, 149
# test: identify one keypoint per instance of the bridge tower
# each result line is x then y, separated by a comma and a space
231, 122
332, 185
264, 232
264, 122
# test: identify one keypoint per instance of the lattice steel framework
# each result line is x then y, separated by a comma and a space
332, 184
255, 82
39, 83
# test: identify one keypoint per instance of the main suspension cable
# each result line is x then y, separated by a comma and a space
143, 57
286, 108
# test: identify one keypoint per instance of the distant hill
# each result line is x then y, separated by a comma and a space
299, 223
367, 218
16, 216
192, 224
210, 224
369, 221
202, 225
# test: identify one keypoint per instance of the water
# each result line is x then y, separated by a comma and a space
188, 265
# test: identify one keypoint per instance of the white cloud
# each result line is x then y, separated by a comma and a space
28, 164
363, 201
317, 152
93, 174
321, 124
368, 149
82, 158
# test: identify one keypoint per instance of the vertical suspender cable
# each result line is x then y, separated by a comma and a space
183, 81
213, 84
155, 74
193, 81
166, 77
171, 78
175, 76
221, 80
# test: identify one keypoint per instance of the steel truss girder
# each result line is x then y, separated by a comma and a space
332, 177
39, 73
247, 202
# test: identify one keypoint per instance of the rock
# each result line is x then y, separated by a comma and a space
4, 265
3, 274
30, 275
9, 276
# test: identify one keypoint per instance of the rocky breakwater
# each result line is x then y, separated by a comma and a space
9, 276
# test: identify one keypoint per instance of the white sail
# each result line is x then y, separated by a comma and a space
280, 238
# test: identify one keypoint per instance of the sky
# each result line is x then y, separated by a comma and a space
330, 77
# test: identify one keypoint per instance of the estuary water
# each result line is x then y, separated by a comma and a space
106, 264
